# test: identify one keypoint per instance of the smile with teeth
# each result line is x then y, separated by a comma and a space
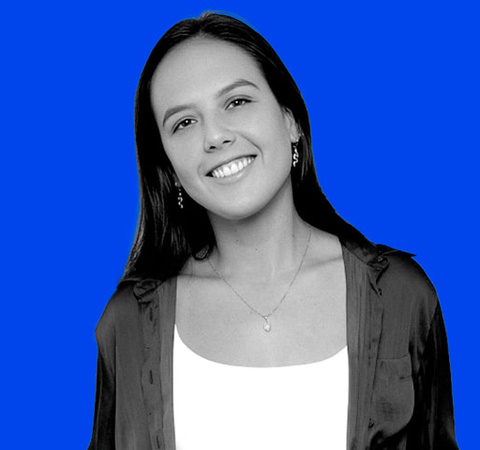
232, 167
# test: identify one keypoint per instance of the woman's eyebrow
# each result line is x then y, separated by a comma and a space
238, 83
230, 87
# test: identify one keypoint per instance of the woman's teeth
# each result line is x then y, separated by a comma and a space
232, 167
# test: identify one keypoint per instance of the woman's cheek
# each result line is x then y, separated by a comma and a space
181, 152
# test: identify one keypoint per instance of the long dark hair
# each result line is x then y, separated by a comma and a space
167, 235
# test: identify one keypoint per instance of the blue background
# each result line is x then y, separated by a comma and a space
393, 93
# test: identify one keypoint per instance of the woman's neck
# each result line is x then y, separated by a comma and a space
262, 247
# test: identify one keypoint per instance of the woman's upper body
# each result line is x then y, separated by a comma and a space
399, 376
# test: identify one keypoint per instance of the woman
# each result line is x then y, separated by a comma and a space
244, 289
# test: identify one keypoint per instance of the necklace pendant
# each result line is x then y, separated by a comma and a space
266, 326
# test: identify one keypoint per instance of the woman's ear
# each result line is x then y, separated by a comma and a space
171, 176
175, 179
291, 125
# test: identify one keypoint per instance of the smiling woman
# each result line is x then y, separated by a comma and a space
250, 314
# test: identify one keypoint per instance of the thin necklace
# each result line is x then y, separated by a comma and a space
266, 326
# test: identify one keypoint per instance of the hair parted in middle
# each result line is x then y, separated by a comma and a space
167, 236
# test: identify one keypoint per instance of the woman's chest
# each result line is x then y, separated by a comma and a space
307, 325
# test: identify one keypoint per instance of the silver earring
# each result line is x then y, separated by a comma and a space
180, 197
295, 156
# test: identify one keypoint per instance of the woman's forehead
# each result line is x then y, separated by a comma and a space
204, 56
202, 66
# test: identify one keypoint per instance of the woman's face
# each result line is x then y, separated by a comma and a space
228, 139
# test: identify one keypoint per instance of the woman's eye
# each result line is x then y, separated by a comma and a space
183, 124
238, 102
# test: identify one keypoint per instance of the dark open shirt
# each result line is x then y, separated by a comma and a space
399, 374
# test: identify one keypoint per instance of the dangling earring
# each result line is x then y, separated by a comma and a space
179, 197
295, 156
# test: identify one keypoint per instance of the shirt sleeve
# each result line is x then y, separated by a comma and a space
433, 422
103, 436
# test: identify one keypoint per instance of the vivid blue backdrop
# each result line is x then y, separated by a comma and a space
393, 93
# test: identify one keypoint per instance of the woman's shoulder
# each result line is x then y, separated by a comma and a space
405, 274
121, 304
408, 294
398, 278
124, 306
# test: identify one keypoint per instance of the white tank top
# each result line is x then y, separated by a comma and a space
224, 407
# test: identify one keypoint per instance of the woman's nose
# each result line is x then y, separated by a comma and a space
217, 135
